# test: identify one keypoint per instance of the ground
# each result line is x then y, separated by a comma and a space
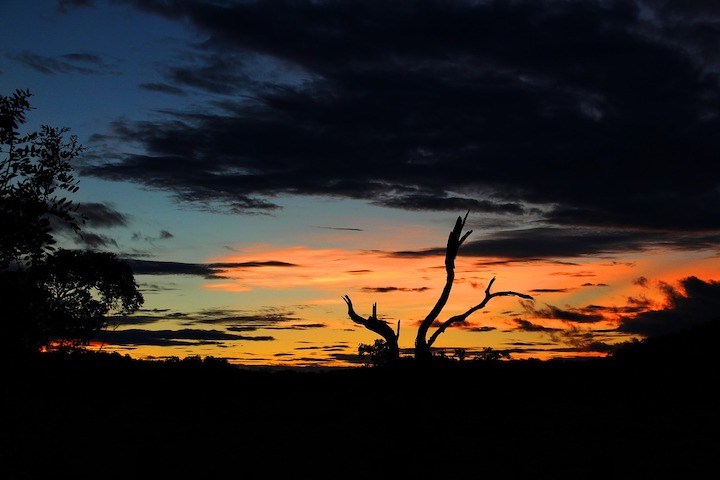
113, 417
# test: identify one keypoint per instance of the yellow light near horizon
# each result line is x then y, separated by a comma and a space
344, 269
227, 287
405, 288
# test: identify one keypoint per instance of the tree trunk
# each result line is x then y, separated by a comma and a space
422, 346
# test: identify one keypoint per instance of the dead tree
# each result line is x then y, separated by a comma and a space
378, 326
423, 345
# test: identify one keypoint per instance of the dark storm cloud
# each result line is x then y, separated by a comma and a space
691, 303
694, 302
219, 73
707, 10
546, 242
552, 242
205, 270
602, 113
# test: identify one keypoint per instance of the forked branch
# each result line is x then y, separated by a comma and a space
462, 317
422, 344
455, 240
378, 326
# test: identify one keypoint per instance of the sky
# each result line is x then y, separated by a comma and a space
255, 161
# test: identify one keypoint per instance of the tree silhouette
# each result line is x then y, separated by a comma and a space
379, 353
64, 300
423, 344
378, 326
52, 298
33, 168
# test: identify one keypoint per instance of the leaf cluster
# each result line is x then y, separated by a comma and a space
378, 354
36, 174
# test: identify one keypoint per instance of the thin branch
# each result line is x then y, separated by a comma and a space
462, 317
351, 312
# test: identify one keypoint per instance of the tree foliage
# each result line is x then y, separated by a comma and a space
53, 298
35, 172
378, 354
64, 300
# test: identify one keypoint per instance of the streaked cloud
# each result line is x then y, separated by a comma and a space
84, 63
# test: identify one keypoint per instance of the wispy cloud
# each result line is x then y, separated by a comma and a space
209, 270
85, 63
168, 338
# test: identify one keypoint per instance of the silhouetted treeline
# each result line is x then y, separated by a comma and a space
650, 410
697, 345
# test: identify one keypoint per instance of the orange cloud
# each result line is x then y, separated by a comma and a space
323, 269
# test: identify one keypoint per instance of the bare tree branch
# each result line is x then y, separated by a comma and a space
464, 316
422, 348
376, 325
422, 345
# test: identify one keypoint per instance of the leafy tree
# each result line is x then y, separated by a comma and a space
84, 287
63, 301
379, 352
423, 344
460, 354
490, 355
34, 170
52, 298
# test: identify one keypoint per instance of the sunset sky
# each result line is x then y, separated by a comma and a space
255, 161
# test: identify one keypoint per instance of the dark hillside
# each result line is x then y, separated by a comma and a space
105, 416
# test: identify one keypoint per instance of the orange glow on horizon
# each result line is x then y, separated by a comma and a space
317, 268
575, 302
407, 287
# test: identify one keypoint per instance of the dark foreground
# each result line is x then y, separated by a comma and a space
111, 417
